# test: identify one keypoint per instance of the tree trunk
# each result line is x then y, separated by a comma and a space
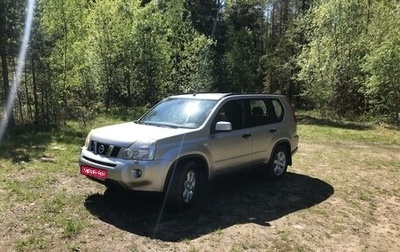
397, 113
397, 106
128, 88
35, 93
6, 86
29, 114
21, 112
368, 16
4, 68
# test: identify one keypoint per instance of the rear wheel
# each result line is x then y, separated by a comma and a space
184, 186
278, 163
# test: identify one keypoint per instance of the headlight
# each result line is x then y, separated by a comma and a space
140, 150
87, 140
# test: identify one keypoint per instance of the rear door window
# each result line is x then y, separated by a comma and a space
258, 112
276, 109
265, 111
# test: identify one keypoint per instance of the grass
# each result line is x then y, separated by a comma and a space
372, 135
343, 191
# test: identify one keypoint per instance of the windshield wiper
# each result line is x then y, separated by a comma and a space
168, 125
165, 125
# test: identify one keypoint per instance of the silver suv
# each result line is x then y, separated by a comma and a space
184, 141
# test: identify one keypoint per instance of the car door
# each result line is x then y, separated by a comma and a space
231, 149
265, 130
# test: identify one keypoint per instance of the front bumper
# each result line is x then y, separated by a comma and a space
124, 173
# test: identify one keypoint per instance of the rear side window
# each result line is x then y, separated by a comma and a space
278, 109
266, 111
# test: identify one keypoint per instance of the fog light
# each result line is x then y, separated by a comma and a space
136, 173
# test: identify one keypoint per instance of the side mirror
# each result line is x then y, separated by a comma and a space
223, 126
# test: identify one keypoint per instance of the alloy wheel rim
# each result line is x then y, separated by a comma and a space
279, 163
189, 185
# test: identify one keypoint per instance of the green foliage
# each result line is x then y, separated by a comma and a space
190, 51
381, 64
338, 56
150, 56
283, 44
349, 65
330, 63
241, 64
61, 49
244, 46
204, 15
10, 30
280, 61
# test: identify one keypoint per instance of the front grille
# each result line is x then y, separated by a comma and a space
100, 162
107, 150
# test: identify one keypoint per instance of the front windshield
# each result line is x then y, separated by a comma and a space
179, 113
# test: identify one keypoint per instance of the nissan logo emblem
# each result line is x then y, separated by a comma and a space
101, 149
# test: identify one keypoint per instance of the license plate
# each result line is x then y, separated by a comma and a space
94, 172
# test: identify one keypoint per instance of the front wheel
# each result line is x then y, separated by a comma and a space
278, 164
184, 184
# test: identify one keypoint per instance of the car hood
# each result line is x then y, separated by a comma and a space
127, 133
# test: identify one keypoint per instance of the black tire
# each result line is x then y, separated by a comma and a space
184, 186
278, 164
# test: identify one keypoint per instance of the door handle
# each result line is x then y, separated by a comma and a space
272, 130
247, 135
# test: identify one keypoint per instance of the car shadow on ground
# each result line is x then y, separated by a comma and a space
244, 197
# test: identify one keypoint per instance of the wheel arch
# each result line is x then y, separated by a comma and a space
199, 160
285, 144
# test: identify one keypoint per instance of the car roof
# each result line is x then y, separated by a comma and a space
205, 96
218, 96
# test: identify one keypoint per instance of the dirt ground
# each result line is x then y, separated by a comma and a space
335, 198
338, 196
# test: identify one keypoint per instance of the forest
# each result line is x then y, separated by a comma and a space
338, 57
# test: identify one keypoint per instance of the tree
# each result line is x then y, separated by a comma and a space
331, 62
204, 15
283, 40
150, 56
65, 27
382, 63
244, 45
11, 16
191, 51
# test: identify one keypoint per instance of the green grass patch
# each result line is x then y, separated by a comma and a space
379, 134
43, 196
72, 227
32, 242
312, 127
